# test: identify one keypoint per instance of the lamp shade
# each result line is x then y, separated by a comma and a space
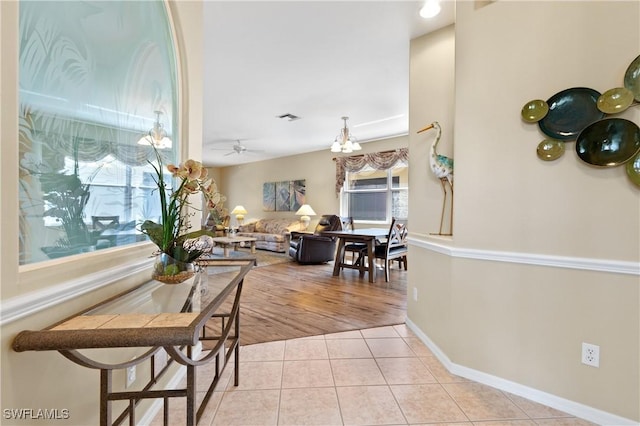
305, 210
239, 210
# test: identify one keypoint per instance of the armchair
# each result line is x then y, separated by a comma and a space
315, 248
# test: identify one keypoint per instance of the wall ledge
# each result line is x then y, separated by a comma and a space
30, 303
571, 407
582, 263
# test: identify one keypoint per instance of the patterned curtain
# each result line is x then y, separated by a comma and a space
378, 160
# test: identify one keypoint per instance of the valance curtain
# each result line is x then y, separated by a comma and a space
377, 160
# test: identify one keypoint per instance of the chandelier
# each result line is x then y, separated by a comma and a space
345, 141
156, 136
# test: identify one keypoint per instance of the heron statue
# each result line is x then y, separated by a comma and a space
442, 167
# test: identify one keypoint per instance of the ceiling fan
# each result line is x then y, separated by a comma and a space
237, 148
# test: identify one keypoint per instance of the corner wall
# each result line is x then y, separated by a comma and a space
545, 255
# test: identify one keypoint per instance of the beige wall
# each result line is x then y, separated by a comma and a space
243, 184
544, 255
46, 379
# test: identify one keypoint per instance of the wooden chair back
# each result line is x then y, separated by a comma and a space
101, 223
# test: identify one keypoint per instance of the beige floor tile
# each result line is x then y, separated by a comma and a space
257, 408
439, 371
534, 409
316, 337
480, 402
258, 375
271, 351
377, 332
354, 372
205, 374
305, 349
389, 347
506, 423
178, 408
369, 405
405, 371
444, 424
418, 347
307, 374
571, 421
348, 348
296, 409
428, 403
403, 330
355, 334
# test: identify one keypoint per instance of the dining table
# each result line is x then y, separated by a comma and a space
367, 236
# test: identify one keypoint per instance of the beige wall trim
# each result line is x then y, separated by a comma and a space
27, 304
576, 409
599, 265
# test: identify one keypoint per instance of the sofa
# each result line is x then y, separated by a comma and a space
271, 234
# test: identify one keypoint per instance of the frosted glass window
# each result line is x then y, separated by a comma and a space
94, 77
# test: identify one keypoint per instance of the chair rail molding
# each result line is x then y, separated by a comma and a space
583, 263
30, 303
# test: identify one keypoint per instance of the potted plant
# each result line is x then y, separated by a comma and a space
174, 262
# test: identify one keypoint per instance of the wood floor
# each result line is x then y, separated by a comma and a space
289, 300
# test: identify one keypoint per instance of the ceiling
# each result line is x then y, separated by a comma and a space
317, 60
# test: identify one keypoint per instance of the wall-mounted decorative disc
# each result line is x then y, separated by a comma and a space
609, 142
550, 149
632, 78
615, 100
633, 169
570, 111
534, 111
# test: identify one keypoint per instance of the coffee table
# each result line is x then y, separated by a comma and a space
228, 242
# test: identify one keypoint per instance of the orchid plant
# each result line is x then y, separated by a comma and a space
171, 234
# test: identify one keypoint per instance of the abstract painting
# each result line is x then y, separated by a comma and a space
269, 196
284, 196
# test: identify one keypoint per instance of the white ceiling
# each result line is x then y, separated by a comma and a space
319, 60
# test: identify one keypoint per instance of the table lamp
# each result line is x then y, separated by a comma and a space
304, 212
239, 211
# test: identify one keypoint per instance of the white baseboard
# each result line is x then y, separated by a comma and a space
570, 407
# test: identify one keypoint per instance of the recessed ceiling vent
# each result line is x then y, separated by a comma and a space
290, 117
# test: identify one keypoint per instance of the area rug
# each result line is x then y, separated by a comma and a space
266, 258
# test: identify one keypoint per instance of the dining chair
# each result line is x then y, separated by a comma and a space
358, 251
101, 223
395, 248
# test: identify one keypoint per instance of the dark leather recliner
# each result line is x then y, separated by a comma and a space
315, 248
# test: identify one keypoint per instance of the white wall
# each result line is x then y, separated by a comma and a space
29, 293
544, 255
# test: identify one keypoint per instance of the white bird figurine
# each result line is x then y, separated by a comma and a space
442, 167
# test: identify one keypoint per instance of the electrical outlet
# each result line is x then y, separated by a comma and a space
415, 294
591, 354
131, 376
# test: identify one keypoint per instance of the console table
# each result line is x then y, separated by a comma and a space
154, 316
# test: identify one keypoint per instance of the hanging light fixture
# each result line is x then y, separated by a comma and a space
430, 9
345, 142
156, 136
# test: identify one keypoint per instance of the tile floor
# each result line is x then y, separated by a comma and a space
377, 376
